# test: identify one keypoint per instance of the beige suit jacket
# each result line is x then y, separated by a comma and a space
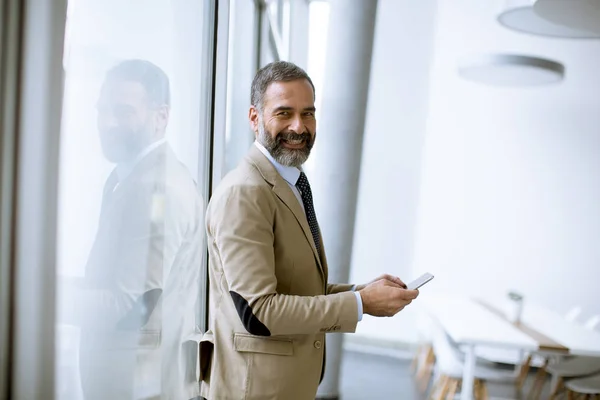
270, 304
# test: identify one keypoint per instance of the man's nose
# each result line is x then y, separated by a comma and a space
107, 121
297, 125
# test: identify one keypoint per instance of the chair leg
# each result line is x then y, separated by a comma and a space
557, 385
425, 356
415, 362
420, 361
523, 372
428, 370
437, 384
443, 388
538, 384
484, 391
476, 389
452, 389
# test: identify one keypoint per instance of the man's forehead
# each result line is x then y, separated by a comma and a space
297, 92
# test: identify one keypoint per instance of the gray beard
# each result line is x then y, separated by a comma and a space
281, 154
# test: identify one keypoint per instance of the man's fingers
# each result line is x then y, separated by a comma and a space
405, 295
387, 282
410, 294
400, 282
394, 280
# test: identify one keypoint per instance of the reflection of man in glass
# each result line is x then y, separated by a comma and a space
142, 278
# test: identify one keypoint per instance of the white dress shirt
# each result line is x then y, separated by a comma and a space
291, 175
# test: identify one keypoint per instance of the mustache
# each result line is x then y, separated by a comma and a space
294, 136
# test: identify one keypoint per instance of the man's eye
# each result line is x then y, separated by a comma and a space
283, 113
122, 112
309, 114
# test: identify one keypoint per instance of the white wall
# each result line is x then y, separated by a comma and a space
503, 190
511, 177
394, 134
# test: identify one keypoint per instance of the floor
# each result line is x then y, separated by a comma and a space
376, 377
379, 377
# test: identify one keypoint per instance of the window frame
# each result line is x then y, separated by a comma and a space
39, 88
31, 89
10, 42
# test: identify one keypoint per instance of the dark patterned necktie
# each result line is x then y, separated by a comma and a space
307, 199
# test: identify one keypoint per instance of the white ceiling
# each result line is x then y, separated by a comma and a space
467, 27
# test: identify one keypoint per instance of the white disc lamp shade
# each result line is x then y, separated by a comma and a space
573, 14
569, 19
510, 70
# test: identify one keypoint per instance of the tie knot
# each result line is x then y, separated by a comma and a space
302, 180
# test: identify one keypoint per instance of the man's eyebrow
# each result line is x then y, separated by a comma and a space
282, 108
286, 108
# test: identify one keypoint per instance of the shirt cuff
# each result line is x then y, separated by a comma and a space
359, 304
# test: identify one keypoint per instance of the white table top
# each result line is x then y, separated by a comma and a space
578, 339
469, 323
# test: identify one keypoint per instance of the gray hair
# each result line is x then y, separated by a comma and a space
154, 79
278, 71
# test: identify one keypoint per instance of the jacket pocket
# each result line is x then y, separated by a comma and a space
198, 349
266, 345
207, 345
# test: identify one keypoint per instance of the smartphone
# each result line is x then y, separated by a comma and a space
420, 281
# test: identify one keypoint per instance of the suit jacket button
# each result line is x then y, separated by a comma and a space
317, 344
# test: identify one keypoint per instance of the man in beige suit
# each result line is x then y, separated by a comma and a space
270, 303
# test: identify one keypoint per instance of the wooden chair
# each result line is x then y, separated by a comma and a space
449, 368
535, 359
564, 368
584, 388
424, 359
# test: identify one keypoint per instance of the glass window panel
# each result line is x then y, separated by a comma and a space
133, 178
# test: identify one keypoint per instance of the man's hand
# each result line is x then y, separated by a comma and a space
385, 298
386, 277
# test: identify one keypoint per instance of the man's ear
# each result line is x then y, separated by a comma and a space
253, 118
162, 118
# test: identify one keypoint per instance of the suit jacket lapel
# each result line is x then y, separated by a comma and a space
283, 191
114, 190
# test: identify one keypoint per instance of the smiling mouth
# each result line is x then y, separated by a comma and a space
294, 144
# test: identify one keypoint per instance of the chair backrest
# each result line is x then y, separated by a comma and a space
573, 314
425, 326
593, 322
448, 357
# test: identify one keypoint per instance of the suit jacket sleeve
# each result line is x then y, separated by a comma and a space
241, 223
143, 244
333, 288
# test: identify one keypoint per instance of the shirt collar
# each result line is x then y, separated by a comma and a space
290, 174
125, 168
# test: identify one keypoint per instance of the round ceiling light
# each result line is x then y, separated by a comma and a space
522, 16
580, 14
511, 70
